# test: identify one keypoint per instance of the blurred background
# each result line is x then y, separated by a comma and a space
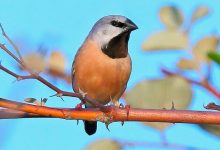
173, 35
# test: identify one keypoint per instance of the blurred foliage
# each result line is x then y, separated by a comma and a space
55, 65
160, 93
104, 144
213, 129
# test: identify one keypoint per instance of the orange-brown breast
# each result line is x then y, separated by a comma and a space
98, 75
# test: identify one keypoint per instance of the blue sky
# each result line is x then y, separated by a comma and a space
64, 25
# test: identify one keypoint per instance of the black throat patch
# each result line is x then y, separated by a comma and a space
118, 46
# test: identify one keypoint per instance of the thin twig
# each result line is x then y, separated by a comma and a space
33, 75
203, 83
58, 91
11, 42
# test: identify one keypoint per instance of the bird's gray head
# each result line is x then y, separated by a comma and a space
112, 33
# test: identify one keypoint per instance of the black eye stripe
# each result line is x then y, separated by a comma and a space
117, 24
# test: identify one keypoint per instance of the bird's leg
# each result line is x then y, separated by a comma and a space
79, 106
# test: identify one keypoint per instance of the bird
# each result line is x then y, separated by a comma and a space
102, 65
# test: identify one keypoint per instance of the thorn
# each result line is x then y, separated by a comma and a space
127, 107
58, 95
106, 125
122, 123
82, 93
53, 95
3, 32
173, 107
77, 122
19, 78
61, 98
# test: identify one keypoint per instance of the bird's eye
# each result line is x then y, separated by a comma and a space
117, 24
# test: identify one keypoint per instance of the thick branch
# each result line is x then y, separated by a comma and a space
14, 114
113, 114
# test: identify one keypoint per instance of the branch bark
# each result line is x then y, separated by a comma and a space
114, 114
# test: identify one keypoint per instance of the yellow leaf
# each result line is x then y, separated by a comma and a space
104, 144
57, 63
188, 64
35, 62
200, 12
166, 40
171, 17
203, 47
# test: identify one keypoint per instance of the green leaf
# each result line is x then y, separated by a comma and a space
159, 94
171, 16
199, 13
215, 57
104, 144
212, 129
166, 40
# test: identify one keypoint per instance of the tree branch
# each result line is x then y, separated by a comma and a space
113, 114
36, 76
14, 114
205, 84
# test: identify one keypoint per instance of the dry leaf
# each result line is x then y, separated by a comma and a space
104, 144
57, 63
35, 62
188, 64
203, 47
199, 13
158, 94
171, 17
166, 40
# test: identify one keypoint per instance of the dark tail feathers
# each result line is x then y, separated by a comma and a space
90, 127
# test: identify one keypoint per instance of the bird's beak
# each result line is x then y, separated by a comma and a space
131, 25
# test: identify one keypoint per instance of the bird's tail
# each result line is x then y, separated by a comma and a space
90, 126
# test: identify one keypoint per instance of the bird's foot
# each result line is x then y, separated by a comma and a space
79, 106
